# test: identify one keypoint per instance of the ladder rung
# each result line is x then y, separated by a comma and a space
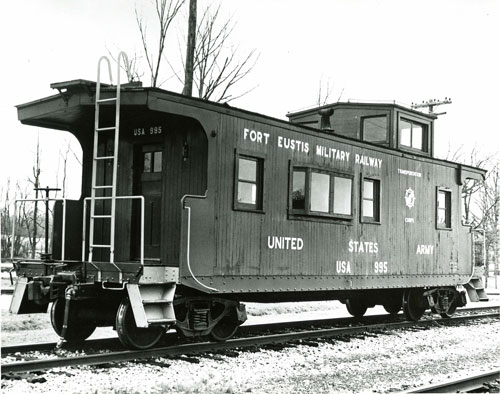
104, 158
100, 246
106, 100
101, 216
103, 187
105, 128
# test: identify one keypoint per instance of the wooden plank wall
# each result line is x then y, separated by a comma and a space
241, 239
185, 164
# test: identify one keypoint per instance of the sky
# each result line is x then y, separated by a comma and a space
408, 51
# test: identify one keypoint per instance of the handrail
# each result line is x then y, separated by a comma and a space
123, 56
99, 71
483, 249
188, 246
96, 126
63, 240
86, 199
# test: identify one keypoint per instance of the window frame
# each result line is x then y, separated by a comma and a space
426, 149
259, 182
292, 173
153, 151
447, 209
307, 212
362, 129
377, 198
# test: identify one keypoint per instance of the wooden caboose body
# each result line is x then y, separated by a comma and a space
342, 202
279, 244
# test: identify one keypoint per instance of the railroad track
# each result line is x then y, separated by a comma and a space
248, 329
283, 339
469, 384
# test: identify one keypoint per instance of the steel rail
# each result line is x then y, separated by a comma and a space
470, 383
197, 348
243, 330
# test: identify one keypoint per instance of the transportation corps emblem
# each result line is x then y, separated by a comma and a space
410, 198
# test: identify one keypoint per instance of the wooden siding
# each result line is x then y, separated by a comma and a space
184, 147
229, 248
241, 238
347, 120
185, 173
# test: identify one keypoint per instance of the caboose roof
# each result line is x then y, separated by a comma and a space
74, 105
374, 104
32, 112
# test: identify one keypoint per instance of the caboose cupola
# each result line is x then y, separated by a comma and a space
386, 124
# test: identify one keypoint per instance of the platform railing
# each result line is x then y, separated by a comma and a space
45, 200
84, 227
475, 255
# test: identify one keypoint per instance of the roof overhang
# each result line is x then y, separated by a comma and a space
74, 105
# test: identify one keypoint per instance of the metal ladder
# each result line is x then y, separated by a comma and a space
113, 157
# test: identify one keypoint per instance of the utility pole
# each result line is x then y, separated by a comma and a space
431, 104
191, 43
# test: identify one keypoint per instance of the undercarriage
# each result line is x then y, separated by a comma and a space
141, 309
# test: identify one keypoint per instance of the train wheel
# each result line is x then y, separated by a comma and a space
414, 304
227, 325
355, 307
181, 315
224, 329
78, 329
451, 310
132, 336
392, 307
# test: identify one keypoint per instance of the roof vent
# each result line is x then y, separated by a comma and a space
324, 123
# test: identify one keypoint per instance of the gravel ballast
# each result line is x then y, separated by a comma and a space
385, 363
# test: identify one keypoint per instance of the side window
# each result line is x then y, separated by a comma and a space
374, 129
413, 135
370, 201
248, 183
443, 209
342, 195
299, 190
320, 193
152, 162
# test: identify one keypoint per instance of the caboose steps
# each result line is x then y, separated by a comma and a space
476, 291
152, 303
159, 301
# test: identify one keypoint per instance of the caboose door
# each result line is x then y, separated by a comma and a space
148, 182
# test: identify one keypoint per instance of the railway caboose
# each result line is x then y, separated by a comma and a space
189, 207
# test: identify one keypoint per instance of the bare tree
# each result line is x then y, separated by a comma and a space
471, 190
166, 10
218, 66
134, 71
5, 219
325, 89
481, 204
454, 155
22, 216
63, 156
490, 220
35, 181
26, 222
